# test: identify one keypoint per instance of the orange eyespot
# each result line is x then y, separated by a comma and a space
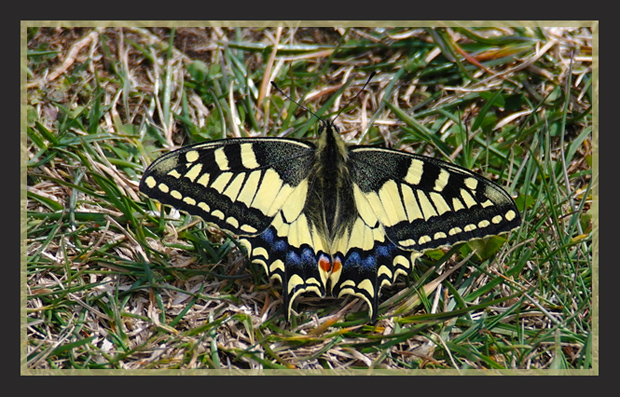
337, 265
325, 264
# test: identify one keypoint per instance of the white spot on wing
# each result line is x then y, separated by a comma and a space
164, 188
248, 229
249, 188
390, 199
427, 208
424, 240
193, 173
411, 204
471, 183
221, 159
234, 187
455, 230
468, 198
174, 174
469, 228
221, 181
414, 174
457, 204
204, 180
232, 221
248, 158
150, 182
442, 180
192, 156
440, 203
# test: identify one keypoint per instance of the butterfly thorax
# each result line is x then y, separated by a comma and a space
329, 204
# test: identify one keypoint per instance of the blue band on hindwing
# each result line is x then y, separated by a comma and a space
298, 261
361, 265
360, 275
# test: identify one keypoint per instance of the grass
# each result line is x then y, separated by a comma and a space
115, 281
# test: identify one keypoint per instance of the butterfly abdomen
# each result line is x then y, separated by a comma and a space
330, 201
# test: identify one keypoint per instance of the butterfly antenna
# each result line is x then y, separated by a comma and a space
372, 74
273, 83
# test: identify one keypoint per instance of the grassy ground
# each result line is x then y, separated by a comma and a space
114, 281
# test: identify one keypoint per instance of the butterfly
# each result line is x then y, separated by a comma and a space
325, 216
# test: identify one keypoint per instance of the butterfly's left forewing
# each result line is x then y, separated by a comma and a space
238, 184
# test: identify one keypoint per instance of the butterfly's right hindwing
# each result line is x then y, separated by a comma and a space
238, 184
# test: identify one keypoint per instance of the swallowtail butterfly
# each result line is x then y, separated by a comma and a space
328, 217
